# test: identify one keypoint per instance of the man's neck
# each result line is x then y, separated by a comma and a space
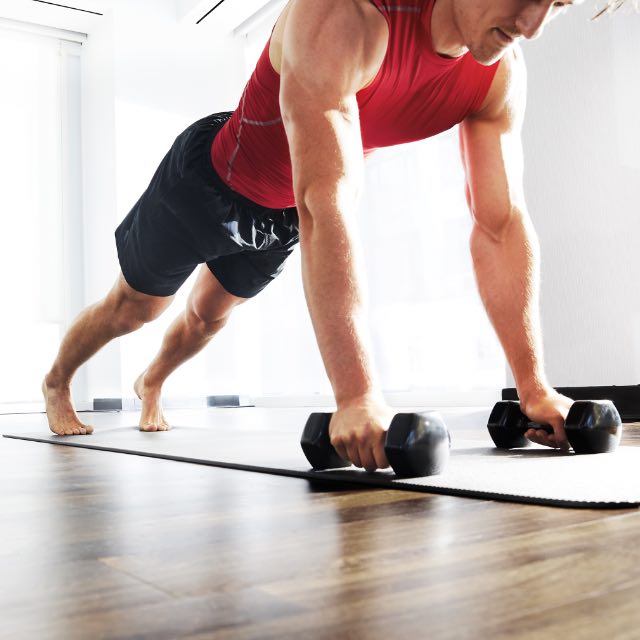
445, 37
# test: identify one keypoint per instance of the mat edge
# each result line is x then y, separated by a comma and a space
354, 478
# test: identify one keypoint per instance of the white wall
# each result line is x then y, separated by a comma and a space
581, 137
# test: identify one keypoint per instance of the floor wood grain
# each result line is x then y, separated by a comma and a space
103, 545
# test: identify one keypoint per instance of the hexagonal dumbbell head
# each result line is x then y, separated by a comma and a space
593, 426
417, 444
316, 445
507, 425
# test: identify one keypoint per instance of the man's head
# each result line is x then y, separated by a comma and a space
489, 27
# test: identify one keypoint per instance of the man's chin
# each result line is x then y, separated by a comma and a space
488, 58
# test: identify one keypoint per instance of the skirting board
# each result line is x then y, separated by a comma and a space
626, 398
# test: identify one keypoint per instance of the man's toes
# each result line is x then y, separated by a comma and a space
149, 427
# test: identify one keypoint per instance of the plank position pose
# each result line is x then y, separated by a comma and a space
237, 191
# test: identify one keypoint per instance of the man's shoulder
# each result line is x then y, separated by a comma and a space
508, 86
333, 38
347, 12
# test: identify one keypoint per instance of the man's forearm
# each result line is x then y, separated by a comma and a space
508, 276
334, 283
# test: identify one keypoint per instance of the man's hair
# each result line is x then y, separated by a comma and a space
614, 5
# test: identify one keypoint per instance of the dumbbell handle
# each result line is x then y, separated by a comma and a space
537, 426
416, 444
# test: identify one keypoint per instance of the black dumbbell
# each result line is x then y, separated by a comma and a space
592, 426
416, 444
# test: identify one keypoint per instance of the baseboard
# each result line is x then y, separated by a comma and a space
134, 404
625, 398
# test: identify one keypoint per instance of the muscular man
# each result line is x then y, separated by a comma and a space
337, 79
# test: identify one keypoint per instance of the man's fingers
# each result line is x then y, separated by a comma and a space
341, 450
560, 437
547, 439
367, 458
380, 457
372, 452
560, 440
539, 437
379, 452
362, 446
367, 455
353, 454
561, 444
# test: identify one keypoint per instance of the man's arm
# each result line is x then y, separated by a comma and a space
504, 244
330, 50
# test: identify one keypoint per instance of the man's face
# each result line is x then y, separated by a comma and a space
489, 27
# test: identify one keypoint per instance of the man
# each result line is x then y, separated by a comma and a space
337, 78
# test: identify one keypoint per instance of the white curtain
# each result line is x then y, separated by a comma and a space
34, 163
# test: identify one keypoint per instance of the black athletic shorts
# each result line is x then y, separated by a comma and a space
188, 216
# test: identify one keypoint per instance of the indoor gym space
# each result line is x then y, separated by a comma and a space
219, 527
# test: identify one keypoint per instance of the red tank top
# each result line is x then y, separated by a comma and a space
416, 94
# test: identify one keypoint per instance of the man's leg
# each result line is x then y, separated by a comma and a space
207, 311
122, 311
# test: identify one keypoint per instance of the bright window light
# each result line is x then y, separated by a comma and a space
31, 205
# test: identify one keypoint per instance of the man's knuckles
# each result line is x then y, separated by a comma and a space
363, 435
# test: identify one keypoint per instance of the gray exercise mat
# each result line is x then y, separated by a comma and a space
267, 441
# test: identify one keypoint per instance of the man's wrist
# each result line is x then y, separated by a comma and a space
532, 392
371, 397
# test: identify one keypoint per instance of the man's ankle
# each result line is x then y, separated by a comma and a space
56, 382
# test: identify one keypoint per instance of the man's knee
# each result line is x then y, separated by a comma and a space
210, 304
206, 319
131, 309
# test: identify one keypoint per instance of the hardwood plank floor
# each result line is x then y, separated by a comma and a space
102, 545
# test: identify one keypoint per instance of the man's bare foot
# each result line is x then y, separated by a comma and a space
63, 419
152, 418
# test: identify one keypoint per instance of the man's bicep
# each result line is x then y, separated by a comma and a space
326, 154
492, 154
494, 166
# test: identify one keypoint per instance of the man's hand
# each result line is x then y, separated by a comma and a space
357, 432
548, 407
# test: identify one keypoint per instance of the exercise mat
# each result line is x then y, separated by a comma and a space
267, 441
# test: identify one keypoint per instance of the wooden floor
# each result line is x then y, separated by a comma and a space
104, 545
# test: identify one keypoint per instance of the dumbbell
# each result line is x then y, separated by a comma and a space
592, 426
416, 444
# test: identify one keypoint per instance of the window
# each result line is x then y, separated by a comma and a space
39, 201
